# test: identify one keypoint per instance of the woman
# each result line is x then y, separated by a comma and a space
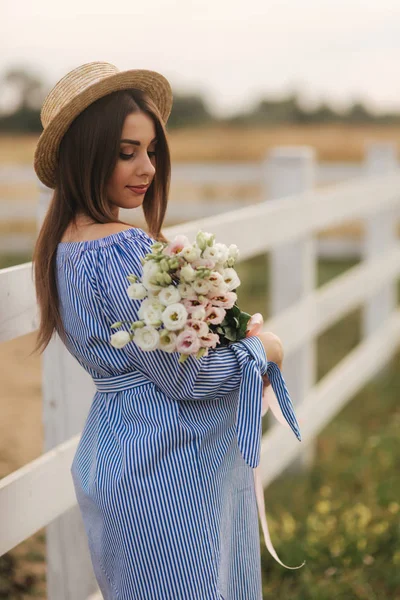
163, 471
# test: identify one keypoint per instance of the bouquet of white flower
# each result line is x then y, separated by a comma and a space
188, 298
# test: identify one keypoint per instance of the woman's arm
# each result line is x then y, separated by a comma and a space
273, 347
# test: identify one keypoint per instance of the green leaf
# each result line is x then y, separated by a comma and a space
246, 314
230, 334
243, 322
235, 311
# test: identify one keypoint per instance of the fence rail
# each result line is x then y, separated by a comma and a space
209, 173
286, 226
198, 174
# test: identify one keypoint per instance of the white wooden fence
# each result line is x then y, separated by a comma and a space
199, 176
41, 493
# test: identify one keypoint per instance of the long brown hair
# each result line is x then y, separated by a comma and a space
88, 154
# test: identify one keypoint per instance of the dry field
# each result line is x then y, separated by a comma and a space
331, 142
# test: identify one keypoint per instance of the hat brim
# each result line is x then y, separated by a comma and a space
46, 152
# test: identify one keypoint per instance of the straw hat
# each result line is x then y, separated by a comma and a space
75, 92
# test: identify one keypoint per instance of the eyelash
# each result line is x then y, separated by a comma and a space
128, 156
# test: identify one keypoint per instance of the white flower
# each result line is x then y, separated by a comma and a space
149, 266
201, 286
231, 278
150, 270
120, 339
187, 273
136, 291
219, 268
169, 295
150, 311
167, 340
147, 338
174, 316
186, 291
219, 253
223, 252
191, 253
153, 294
203, 238
198, 313
150, 301
217, 283
233, 252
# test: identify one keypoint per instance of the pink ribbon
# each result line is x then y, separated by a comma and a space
269, 400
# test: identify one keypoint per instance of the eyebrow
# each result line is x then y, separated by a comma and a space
136, 142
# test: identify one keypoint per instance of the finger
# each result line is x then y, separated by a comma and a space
255, 325
255, 319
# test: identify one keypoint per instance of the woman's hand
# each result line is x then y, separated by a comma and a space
271, 342
273, 347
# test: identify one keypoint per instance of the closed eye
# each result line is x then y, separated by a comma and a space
128, 156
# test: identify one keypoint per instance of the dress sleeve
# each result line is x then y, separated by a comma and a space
224, 369
215, 374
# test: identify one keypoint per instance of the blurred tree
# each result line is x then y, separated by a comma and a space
323, 113
29, 92
387, 118
22, 120
282, 110
357, 113
189, 110
285, 110
28, 87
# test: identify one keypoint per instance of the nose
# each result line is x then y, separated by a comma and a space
145, 168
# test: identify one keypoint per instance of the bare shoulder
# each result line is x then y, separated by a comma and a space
110, 228
93, 231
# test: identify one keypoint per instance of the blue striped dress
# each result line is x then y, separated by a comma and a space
163, 471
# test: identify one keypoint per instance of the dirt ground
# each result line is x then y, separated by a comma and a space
21, 441
21, 429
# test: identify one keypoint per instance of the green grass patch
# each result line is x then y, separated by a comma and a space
342, 516
10, 260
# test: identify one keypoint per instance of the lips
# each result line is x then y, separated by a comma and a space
139, 189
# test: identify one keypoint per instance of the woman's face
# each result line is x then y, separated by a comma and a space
135, 163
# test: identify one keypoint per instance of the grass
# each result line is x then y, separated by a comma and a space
10, 260
342, 516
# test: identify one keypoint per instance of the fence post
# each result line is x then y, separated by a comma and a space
291, 170
380, 235
67, 391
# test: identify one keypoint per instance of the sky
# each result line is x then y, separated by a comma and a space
233, 52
